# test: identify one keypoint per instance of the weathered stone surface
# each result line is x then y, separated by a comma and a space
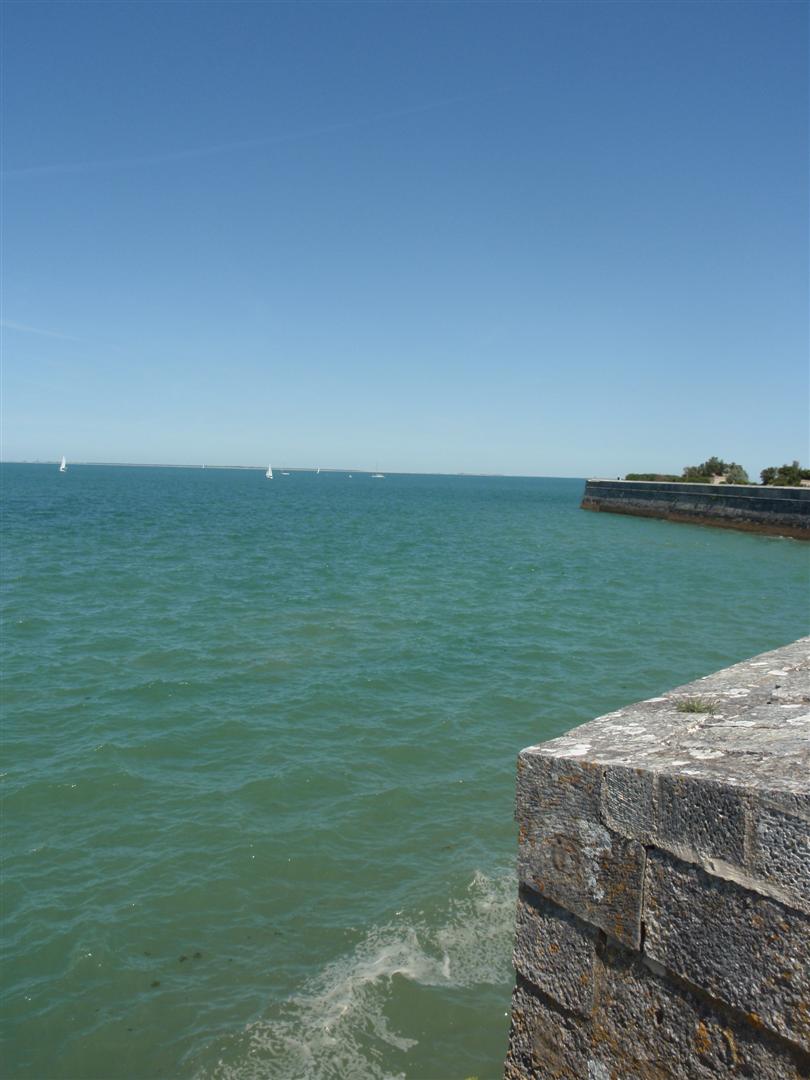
745, 737
629, 802
703, 817
567, 855
779, 842
544, 1043
701, 784
777, 511
645, 1026
670, 845
555, 952
741, 948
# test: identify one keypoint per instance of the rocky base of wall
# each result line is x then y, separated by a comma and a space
663, 923
773, 511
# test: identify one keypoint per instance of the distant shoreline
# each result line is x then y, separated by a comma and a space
295, 469
773, 511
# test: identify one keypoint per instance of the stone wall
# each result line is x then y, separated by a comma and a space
774, 510
663, 922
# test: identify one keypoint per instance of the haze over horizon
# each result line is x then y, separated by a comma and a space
277, 466
558, 240
292, 467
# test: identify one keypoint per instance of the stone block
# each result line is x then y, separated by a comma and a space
705, 817
567, 855
748, 952
555, 952
544, 1043
644, 1027
553, 786
647, 1028
628, 802
780, 845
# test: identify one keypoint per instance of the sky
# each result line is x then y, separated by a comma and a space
558, 239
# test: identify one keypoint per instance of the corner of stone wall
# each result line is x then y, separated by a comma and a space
663, 921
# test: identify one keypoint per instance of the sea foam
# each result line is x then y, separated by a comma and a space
338, 1025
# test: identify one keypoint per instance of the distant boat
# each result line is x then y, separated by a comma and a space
269, 473
377, 476
317, 470
285, 474
63, 464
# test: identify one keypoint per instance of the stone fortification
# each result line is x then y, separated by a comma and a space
774, 510
663, 924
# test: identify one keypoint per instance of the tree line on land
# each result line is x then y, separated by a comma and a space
785, 475
730, 473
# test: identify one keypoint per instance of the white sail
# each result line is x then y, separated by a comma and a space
269, 473
63, 464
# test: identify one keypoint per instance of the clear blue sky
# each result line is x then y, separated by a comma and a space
556, 239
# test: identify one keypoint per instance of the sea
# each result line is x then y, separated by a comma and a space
259, 743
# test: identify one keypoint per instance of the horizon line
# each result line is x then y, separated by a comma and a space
286, 468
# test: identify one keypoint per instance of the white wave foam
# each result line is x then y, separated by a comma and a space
336, 1027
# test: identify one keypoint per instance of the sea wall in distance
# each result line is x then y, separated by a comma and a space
779, 511
663, 921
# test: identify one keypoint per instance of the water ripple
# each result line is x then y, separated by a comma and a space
260, 745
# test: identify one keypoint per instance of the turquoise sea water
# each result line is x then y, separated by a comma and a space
259, 746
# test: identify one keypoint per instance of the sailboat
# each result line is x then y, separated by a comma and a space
63, 464
269, 473
317, 471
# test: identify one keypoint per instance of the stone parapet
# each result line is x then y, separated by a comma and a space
773, 510
663, 924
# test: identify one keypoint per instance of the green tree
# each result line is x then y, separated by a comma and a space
785, 476
736, 474
713, 467
767, 476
